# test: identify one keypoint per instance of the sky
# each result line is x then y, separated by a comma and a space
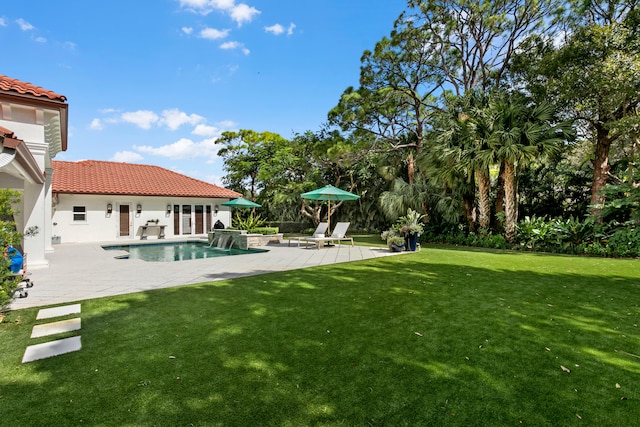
157, 81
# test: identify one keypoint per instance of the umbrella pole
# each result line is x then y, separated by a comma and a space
329, 217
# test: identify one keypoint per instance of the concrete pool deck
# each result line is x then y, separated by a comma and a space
83, 271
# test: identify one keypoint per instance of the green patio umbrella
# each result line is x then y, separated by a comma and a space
241, 202
329, 193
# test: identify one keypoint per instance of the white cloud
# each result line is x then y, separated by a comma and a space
24, 25
213, 34
240, 13
243, 13
196, 5
205, 130
235, 45
222, 4
227, 124
3, 22
141, 118
276, 29
40, 39
214, 179
184, 148
96, 124
126, 157
187, 30
175, 118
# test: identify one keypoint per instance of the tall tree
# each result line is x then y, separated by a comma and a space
521, 134
436, 46
396, 95
592, 73
244, 154
461, 142
471, 43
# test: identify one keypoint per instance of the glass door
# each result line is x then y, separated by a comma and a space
199, 219
186, 219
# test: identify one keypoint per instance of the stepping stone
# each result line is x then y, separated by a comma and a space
48, 313
50, 349
55, 328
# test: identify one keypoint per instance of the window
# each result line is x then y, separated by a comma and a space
79, 213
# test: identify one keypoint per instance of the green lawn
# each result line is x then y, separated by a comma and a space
444, 336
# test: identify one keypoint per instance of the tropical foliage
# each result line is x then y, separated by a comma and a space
8, 237
475, 114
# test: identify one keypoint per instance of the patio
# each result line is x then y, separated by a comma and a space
84, 271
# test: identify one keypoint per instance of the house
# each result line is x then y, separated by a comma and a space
33, 129
109, 201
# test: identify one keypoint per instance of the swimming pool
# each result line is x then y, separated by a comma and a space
177, 251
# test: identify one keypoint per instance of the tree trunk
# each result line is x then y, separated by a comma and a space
312, 212
484, 202
469, 205
600, 168
411, 168
510, 201
500, 197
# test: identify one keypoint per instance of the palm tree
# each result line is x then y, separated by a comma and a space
521, 133
465, 138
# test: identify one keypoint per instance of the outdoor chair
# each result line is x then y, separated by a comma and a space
339, 234
321, 231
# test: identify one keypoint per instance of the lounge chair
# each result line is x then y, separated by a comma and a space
339, 234
321, 231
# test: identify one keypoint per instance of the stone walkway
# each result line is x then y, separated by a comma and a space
55, 347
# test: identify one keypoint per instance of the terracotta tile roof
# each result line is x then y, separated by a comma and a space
12, 85
9, 140
99, 177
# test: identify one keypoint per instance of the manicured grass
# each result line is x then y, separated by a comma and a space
368, 240
444, 336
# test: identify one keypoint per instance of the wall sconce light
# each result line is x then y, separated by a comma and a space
109, 208
168, 209
216, 208
139, 208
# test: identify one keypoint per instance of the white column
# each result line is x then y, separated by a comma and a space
36, 206
48, 213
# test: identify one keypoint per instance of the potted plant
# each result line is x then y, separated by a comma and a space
394, 240
411, 226
405, 231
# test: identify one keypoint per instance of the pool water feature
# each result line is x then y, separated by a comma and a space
177, 251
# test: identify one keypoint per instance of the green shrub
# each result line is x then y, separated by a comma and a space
572, 232
265, 230
533, 232
250, 223
8, 237
567, 236
625, 242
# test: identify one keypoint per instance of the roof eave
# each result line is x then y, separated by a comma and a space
52, 104
27, 163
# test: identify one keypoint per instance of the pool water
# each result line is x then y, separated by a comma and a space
178, 251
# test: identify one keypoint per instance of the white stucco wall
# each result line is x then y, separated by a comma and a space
32, 212
103, 227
